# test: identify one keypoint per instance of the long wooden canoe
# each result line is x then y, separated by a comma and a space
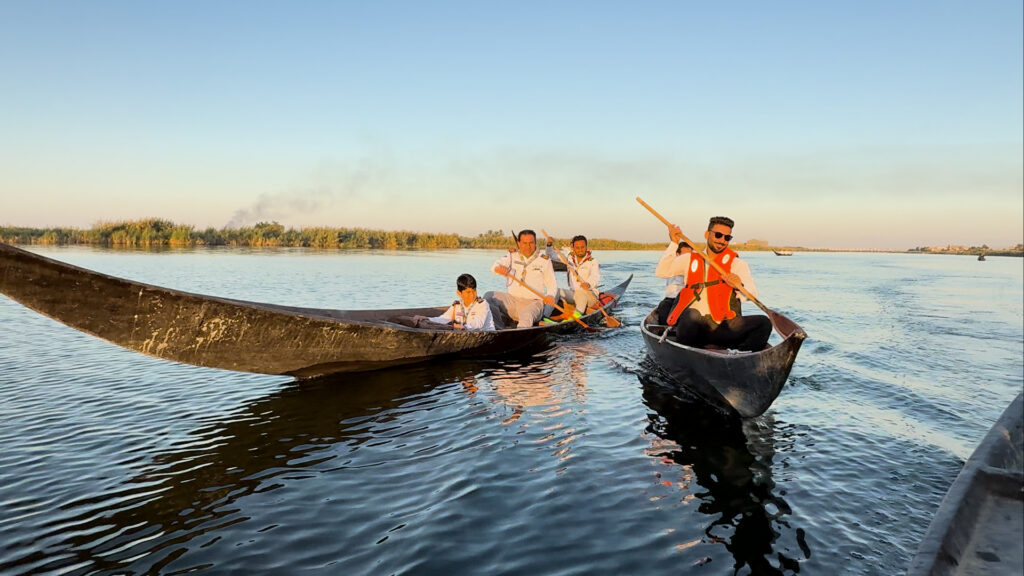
744, 382
979, 527
247, 336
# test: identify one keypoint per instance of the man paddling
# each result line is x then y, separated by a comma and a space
532, 268
579, 294
707, 309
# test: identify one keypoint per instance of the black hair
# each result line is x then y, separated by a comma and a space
527, 231
465, 281
724, 221
579, 237
682, 245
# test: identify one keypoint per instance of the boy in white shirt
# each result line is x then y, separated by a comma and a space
468, 312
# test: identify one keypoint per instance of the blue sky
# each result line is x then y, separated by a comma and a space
842, 125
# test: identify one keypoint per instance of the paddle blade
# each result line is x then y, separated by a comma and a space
784, 326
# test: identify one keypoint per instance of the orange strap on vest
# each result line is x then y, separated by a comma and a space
718, 294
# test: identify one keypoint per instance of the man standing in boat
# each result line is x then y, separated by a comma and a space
526, 300
579, 294
707, 309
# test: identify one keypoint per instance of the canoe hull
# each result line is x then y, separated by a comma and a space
239, 335
744, 382
979, 527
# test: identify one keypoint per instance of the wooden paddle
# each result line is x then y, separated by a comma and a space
541, 296
771, 314
559, 308
611, 322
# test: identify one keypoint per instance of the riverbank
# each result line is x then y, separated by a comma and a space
156, 233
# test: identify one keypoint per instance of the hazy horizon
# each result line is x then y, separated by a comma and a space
868, 126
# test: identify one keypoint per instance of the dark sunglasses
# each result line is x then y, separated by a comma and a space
728, 237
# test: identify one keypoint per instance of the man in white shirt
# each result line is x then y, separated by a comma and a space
581, 291
532, 268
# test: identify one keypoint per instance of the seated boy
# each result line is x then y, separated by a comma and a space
468, 312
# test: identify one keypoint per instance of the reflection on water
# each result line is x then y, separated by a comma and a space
547, 388
726, 464
187, 497
563, 462
184, 494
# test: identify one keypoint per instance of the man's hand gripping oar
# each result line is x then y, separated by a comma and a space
508, 274
608, 319
711, 262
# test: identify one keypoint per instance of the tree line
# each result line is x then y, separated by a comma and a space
155, 232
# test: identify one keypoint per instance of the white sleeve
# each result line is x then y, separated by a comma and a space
595, 275
503, 261
550, 283
445, 318
741, 269
672, 264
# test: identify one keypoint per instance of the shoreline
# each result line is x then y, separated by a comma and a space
161, 247
154, 232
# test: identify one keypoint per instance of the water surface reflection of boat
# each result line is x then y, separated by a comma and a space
188, 495
731, 458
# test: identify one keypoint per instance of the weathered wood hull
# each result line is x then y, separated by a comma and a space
979, 526
744, 382
240, 335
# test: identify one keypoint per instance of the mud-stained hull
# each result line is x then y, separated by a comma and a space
744, 382
245, 336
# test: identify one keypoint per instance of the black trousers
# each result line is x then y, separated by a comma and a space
664, 309
747, 333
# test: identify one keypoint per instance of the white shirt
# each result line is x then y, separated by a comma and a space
476, 316
536, 271
674, 285
672, 264
589, 270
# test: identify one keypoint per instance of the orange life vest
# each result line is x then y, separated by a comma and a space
719, 294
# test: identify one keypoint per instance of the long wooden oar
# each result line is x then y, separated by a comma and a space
611, 322
771, 314
515, 241
560, 309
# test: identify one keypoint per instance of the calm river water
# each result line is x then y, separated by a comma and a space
574, 462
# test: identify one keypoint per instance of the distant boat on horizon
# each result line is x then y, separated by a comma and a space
981, 256
783, 252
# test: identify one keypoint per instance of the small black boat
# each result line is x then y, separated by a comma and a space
744, 382
250, 336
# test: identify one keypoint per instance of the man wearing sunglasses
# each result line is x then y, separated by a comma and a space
707, 309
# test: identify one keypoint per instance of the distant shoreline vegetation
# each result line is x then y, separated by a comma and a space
155, 233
